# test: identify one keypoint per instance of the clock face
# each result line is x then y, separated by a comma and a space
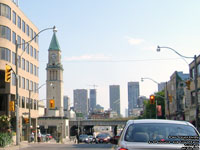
53, 56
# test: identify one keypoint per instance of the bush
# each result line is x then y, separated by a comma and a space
5, 139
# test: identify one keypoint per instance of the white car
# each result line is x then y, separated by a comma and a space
157, 134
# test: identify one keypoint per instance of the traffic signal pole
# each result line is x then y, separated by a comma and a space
17, 99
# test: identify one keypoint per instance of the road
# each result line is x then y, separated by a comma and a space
47, 146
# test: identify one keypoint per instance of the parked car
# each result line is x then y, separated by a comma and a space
83, 137
90, 139
156, 134
103, 138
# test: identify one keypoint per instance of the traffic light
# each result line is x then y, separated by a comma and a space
8, 73
26, 120
11, 106
152, 99
52, 104
188, 84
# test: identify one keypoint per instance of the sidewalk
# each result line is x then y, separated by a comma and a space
23, 144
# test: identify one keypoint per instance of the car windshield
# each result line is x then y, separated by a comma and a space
147, 132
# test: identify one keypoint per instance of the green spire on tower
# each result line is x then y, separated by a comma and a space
54, 45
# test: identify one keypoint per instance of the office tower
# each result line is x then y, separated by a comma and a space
81, 101
66, 103
15, 26
92, 100
133, 95
115, 98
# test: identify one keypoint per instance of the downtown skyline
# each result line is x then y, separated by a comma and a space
114, 42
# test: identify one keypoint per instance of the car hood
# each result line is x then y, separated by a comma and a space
146, 146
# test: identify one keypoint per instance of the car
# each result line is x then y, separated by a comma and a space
103, 138
157, 134
82, 137
90, 139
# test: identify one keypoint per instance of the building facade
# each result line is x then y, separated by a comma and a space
15, 26
176, 93
81, 101
92, 100
133, 95
66, 103
114, 91
54, 82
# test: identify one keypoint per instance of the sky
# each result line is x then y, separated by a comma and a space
113, 42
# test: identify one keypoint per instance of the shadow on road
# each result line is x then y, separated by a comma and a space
92, 146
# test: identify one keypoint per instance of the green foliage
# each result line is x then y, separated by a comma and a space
5, 139
4, 123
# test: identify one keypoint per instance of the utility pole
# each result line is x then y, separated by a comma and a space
17, 97
29, 117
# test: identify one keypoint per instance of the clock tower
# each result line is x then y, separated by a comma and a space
54, 82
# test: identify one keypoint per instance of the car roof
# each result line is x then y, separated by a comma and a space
158, 121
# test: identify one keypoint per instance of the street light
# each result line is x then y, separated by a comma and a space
195, 80
17, 85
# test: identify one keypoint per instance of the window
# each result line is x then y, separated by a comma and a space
19, 41
198, 69
23, 26
5, 11
19, 22
13, 58
27, 84
35, 104
27, 30
27, 48
13, 79
23, 63
19, 82
31, 34
27, 102
19, 61
38, 55
35, 37
5, 54
23, 44
35, 87
23, 102
13, 37
14, 17
31, 103
35, 71
31, 85
31, 68
5, 32
31, 51
27, 66
23, 82
35, 51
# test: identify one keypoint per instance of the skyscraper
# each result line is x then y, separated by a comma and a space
133, 95
81, 101
66, 103
92, 100
115, 98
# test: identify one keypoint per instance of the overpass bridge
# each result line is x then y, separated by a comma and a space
86, 126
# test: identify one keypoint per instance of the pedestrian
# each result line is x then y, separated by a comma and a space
39, 136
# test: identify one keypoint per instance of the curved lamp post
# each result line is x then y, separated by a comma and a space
195, 79
17, 88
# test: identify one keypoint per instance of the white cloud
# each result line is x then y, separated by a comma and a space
88, 57
134, 41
